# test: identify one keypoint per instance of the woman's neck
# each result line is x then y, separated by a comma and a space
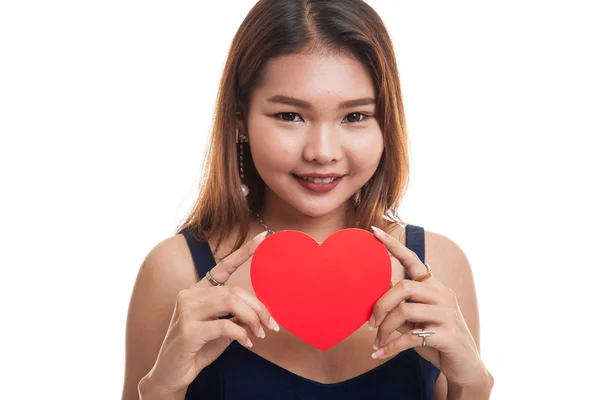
285, 217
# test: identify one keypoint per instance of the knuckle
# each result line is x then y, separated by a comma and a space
233, 301
235, 289
226, 264
182, 296
225, 326
403, 308
406, 286
378, 309
402, 285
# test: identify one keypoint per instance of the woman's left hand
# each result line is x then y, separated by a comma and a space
451, 348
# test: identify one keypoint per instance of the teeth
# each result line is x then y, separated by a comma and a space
318, 180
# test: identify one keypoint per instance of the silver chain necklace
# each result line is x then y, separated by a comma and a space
269, 230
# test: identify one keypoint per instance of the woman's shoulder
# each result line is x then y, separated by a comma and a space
171, 258
438, 247
445, 255
448, 261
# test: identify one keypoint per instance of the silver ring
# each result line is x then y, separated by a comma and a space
212, 280
424, 334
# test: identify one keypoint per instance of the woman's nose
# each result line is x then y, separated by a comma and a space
323, 145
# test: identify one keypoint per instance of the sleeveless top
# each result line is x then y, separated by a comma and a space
239, 373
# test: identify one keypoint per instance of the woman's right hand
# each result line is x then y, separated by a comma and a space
196, 337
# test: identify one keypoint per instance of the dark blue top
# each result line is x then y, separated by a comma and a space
242, 374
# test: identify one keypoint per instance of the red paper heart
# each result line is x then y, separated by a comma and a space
322, 293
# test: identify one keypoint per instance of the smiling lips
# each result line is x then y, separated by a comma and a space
320, 183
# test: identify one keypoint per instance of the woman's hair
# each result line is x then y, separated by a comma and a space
275, 28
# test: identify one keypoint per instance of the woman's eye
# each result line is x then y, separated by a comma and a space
286, 114
289, 117
365, 117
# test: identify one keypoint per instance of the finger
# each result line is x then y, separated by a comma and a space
409, 312
224, 301
404, 290
221, 292
411, 340
416, 326
261, 310
202, 332
223, 270
405, 327
408, 258
248, 328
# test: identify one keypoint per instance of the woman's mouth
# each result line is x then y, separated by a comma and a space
320, 185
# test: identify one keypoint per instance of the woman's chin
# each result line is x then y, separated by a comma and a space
313, 204
319, 207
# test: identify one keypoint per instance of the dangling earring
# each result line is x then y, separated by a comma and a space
241, 138
357, 196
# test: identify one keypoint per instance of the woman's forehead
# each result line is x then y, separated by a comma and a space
330, 79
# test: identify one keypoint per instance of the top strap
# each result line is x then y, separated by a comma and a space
201, 253
415, 241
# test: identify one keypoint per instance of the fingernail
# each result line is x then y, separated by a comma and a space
378, 231
372, 323
261, 333
261, 235
377, 354
376, 344
273, 325
249, 343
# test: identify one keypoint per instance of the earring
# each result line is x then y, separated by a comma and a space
242, 139
357, 196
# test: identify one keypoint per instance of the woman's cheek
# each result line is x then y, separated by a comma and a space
274, 154
366, 154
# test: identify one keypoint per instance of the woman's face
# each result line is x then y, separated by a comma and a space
316, 133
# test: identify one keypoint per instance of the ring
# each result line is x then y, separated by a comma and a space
212, 280
424, 334
424, 276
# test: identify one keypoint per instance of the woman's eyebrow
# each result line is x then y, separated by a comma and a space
304, 104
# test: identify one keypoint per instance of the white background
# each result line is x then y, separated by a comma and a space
105, 108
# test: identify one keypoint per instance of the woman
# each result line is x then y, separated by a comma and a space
309, 134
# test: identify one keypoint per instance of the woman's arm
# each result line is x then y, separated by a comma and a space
164, 273
451, 267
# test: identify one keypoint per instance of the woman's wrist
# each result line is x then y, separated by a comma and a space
148, 390
481, 389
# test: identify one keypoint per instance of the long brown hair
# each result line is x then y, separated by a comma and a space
275, 28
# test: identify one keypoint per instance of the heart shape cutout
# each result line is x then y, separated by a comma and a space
321, 293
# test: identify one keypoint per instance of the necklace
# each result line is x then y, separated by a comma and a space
269, 230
